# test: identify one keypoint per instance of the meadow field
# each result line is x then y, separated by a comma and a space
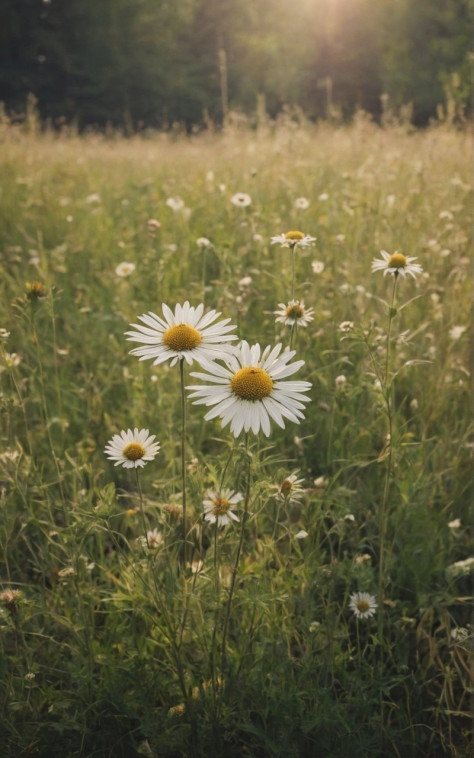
253, 590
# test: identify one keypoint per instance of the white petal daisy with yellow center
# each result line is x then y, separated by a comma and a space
188, 334
290, 490
302, 203
362, 604
217, 506
294, 313
251, 389
132, 449
292, 239
396, 264
241, 200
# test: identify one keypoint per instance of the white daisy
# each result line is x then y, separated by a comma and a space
203, 242
302, 203
241, 200
132, 449
346, 326
395, 264
153, 225
293, 238
250, 390
362, 604
290, 490
187, 333
318, 267
125, 269
153, 539
217, 506
294, 313
175, 203
456, 332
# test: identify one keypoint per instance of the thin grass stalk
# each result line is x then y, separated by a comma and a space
237, 560
183, 456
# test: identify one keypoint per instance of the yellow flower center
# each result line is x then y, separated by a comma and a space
35, 290
134, 451
286, 487
294, 236
252, 383
221, 506
363, 606
182, 337
295, 311
397, 260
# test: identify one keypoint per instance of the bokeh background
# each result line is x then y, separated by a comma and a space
138, 64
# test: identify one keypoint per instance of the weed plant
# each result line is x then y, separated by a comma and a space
127, 632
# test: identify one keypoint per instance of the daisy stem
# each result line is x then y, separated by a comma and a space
391, 314
142, 509
237, 559
387, 388
293, 250
292, 334
183, 458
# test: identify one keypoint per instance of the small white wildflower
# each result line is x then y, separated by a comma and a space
459, 634
93, 198
125, 269
340, 381
456, 332
217, 506
362, 605
318, 267
175, 203
455, 524
245, 282
241, 200
292, 239
302, 203
346, 326
203, 242
321, 482
301, 535
396, 264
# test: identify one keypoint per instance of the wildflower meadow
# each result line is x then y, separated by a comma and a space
236, 455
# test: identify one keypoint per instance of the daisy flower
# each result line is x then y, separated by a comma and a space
362, 604
290, 490
294, 313
395, 264
153, 225
125, 269
175, 203
203, 242
250, 391
241, 200
291, 239
318, 267
187, 333
132, 449
302, 203
217, 506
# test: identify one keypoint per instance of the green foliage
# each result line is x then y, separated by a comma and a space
113, 649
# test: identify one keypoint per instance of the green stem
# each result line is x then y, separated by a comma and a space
387, 391
293, 250
142, 509
236, 563
183, 457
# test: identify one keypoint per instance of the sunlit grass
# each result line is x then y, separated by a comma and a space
113, 648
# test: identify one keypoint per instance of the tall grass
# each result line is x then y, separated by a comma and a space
250, 648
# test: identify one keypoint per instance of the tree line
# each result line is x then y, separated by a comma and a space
152, 63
